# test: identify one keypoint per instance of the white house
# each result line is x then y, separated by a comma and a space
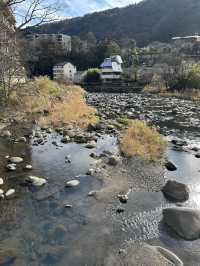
64, 71
111, 68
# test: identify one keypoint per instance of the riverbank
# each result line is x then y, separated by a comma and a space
114, 204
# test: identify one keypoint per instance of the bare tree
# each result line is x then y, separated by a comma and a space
34, 12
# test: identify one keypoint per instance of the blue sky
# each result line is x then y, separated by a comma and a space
73, 8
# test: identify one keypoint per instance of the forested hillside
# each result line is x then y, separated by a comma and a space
145, 22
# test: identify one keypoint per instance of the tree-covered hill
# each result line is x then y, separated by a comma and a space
150, 20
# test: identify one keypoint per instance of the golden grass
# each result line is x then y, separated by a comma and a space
141, 140
193, 95
62, 103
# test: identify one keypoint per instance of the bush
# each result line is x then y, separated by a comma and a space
141, 140
93, 75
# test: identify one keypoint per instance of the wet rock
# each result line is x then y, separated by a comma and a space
28, 167
91, 128
184, 221
170, 166
197, 155
91, 172
11, 167
1, 181
120, 210
92, 193
66, 139
123, 198
143, 254
91, 145
113, 160
176, 191
68, 206
36, 181
16, 160
7, 257
72, 183
10, 192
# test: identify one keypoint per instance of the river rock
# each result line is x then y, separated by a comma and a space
184, 221
16, 160
72, 183
91, 145
143, 255
91, 172
170, 166
176, 191
123, 198
65, 139
113, 160
28, 167
1, 192
37, 181
197, 155
10, 192
11, 167
1, 181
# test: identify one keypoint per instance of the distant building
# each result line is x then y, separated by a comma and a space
192, 38
62, 40
64, 71
111, 68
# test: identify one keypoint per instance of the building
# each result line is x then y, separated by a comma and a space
111, 68
62, 40
64, 71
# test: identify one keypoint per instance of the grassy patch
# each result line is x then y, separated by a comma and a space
141, 140
193, 95
62, 103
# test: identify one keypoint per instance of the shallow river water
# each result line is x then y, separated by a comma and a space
35, 223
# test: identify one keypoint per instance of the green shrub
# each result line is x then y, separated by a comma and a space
93, 75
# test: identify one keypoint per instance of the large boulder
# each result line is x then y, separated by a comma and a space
143, 255
184, 221
176, 191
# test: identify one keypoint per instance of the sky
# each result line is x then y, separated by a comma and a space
73, 8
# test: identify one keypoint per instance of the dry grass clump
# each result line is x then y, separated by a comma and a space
141, 140
62, 103
190, 94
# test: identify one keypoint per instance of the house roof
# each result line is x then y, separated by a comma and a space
63, 64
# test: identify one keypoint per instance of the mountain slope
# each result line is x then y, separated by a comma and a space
147, 21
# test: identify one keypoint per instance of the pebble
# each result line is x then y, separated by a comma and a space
72, 183
10, 192
37, 181
16, 160
11, 167
1, 181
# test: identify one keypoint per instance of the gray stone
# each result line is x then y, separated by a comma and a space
16, 160
176, 191
11, 167
170, 166
37, 181
184, 221
72, 183
10, 192
113, 160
